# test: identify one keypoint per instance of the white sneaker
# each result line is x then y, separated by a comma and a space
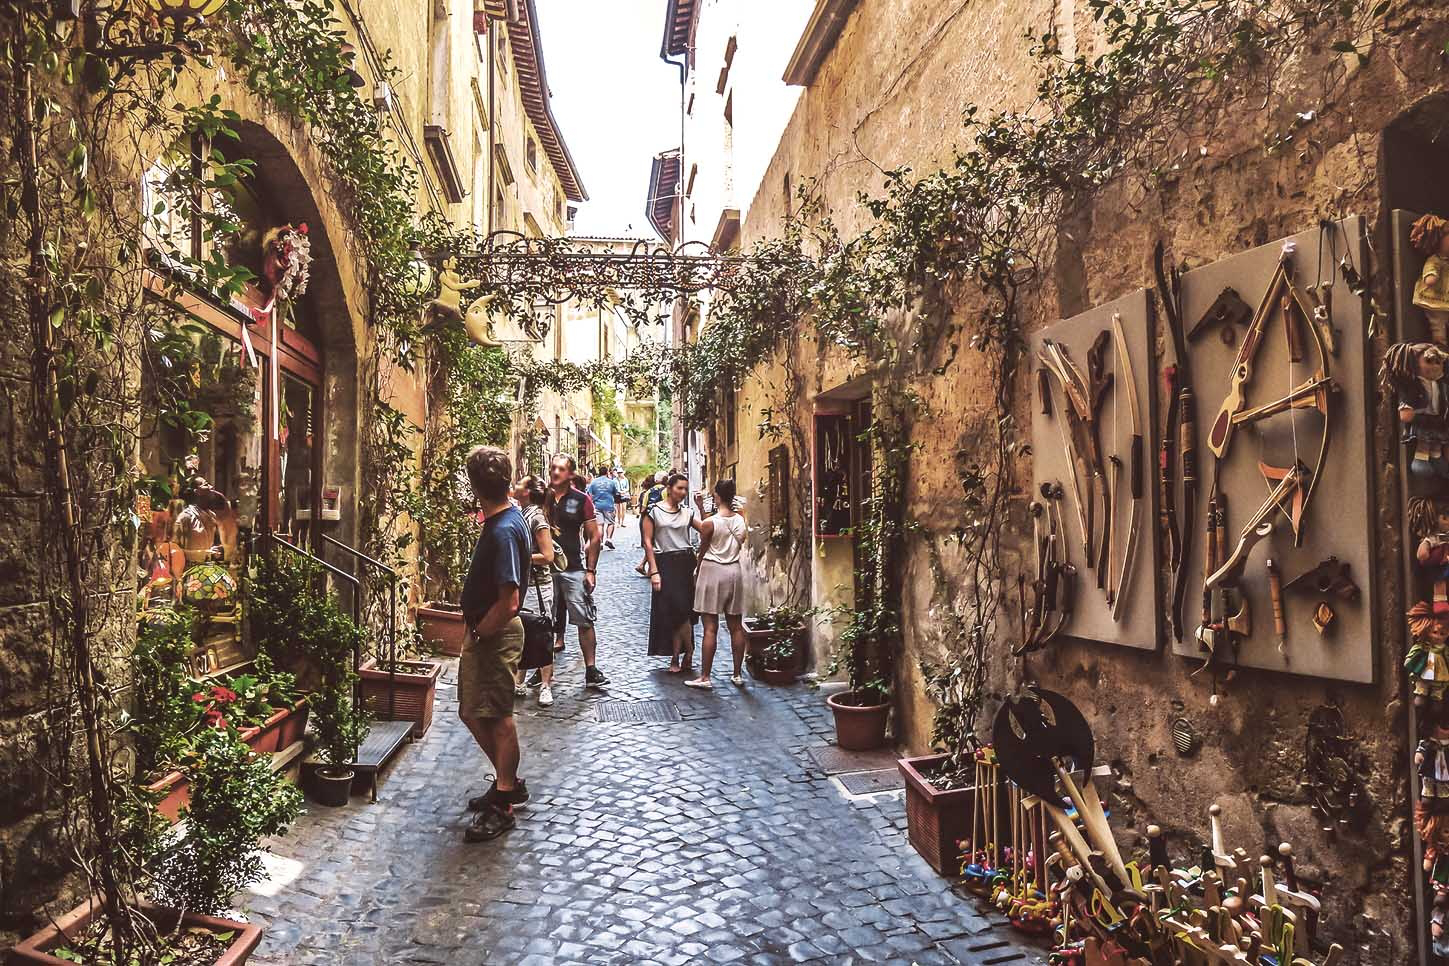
545, 696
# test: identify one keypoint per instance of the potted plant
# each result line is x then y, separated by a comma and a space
412, 684
941, 787
861, 712
778, 642
442, 628
268, 709
162, 715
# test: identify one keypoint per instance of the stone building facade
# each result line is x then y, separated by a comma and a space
884, 87
468, 108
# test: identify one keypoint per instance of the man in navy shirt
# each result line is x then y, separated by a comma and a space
603, 491
490, 600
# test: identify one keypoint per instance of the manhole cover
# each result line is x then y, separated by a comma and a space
636, 711
870, 782
833, 760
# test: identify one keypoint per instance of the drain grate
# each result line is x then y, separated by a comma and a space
833, 760
870, 782
636, 711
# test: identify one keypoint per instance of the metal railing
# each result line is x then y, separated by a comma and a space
356, 610
392, 582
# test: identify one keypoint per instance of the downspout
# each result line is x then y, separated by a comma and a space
492, 129
679, 447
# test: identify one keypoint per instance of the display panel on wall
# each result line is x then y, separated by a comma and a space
1092, 450
1283, 409
834, 445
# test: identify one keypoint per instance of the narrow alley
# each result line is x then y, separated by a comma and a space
713, 838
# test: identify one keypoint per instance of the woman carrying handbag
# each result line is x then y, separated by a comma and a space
669, 559
531, 493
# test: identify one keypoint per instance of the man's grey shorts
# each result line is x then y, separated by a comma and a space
570, 594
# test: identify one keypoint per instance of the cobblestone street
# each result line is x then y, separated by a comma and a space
715, 838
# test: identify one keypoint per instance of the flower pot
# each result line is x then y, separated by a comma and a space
858, 727
37, 948
331, 786
443, 630
774, 676
412, 693
175, 795
937, 821
281, 730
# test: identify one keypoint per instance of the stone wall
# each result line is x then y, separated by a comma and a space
890, 94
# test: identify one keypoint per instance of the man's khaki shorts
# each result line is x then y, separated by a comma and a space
485, 673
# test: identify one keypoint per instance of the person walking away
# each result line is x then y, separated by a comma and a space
670, 559
720, 587
572, 514
604, 492
621, 484
649, 494
491, 593
531, 495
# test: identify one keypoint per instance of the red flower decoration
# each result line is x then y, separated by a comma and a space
198, 697
302, 228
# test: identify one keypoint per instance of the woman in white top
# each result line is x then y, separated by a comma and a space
719, 587
669, 561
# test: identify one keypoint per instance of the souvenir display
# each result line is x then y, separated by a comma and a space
833, 447
1091, 577
1415, 372
1042, 849
1287, 420
1430, 238
209, 587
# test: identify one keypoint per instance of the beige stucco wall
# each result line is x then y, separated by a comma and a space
890, 94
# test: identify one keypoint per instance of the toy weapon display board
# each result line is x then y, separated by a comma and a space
1267, 393
1082, 367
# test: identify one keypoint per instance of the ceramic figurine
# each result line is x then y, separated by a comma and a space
1426, 662
1415, 370
287, 261
1429, 523
478, 324
1430, 238
451, 287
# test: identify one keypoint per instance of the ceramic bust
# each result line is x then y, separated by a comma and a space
1430, 238
1415, 371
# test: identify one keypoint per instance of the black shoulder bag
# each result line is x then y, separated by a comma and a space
537, 635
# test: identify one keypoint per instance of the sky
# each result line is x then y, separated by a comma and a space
616, 102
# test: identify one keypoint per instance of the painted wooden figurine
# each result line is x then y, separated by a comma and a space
451, 286
1431, 818
1430, 238
1429, 523
1426, 662
1415, 370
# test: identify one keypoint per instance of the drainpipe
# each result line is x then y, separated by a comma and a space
679, 305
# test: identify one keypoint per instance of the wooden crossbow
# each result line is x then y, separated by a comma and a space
1291, 487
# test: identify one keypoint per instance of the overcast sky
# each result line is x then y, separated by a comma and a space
616, 101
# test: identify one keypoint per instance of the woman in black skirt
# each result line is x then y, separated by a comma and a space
669, 559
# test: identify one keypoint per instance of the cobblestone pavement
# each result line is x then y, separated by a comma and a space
712, 839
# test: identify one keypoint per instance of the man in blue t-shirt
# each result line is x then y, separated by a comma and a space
490, 600
604, 492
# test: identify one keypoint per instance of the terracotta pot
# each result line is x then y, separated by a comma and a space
281, 730
936, 821
443, 630
37, 948
333, 788
773, 676
412, 695
858, 727
176, 795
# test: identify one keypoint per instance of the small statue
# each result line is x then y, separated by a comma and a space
451, 286
1429, 523
1426, 662
1430, 238
1415, 370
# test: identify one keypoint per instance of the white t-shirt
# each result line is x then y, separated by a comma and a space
671, 527
727, 539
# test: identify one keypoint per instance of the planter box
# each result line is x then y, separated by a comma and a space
37, 948
176, 795
279, 731
760, 639
412, 696
443, 630
936, 821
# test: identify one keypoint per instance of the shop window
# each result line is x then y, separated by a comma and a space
834, 448
297, 412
